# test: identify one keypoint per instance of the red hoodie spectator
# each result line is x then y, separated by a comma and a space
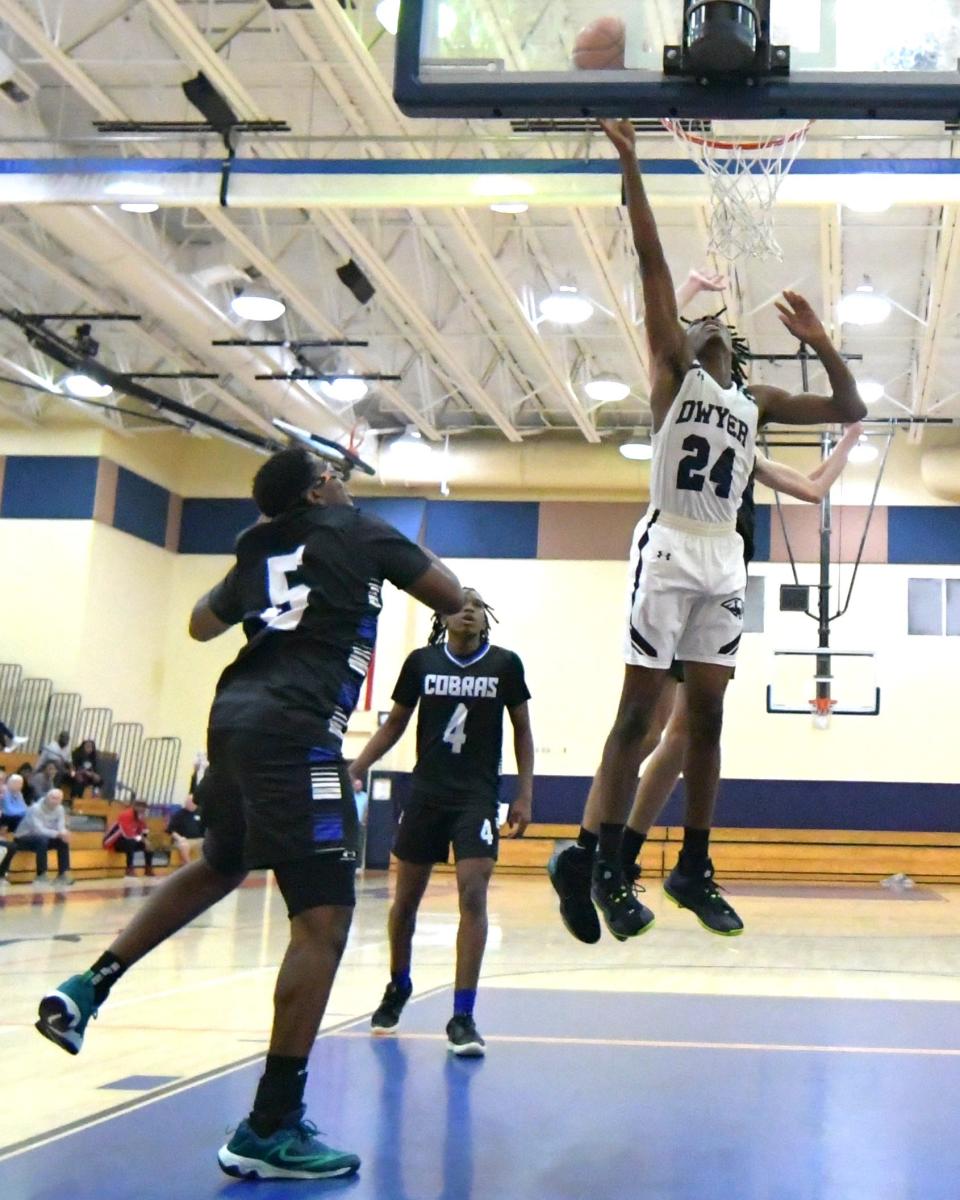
128, 834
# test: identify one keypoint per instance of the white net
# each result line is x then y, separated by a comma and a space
744, 176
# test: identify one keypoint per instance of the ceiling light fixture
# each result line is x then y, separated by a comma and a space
866, 193
511, 207
864, 306
566, 306
84, 387
637, 451
388, 14
347, 389
257, 303
871, 390
140, 206
607, 390
863, 452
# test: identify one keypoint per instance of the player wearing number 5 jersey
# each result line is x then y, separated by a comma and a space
462, 685
687, 576
306, 586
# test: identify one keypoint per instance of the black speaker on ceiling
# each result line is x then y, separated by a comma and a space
353, 278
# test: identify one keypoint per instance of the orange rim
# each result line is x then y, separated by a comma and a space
696, 139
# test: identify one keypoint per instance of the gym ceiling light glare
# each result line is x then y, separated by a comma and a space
514, 208
566, 307
864, 306
140, 206
607, 390
866, 194
347, 389
870, 390
257, 303
863, 452
85, 388
388, 14
637, 451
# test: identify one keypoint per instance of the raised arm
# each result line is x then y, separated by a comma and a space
817, 484
437, 587
386, 737
668, 349
805, 408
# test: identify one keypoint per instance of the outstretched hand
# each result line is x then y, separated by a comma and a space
799, 318
622, 134
704, 282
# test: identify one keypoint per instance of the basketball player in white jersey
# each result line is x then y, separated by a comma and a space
687, 575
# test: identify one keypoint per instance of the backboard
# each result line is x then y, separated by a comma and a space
840, 59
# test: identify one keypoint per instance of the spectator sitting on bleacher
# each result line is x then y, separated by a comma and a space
128, 834
8, 739
57, 753
41, 782
25, 771
186, 829
42, 829
86, 768
12, 803
200, 765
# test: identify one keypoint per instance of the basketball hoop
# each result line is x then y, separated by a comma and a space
744, 175
821, 709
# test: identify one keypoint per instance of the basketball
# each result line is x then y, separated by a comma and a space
600, 45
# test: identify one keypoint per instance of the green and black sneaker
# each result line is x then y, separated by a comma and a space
387, 1017
293, 1152
623, 913
65, 1013
699, 891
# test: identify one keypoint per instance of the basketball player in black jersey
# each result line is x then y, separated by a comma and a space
664, 746
462, 684
306, 585
687, 575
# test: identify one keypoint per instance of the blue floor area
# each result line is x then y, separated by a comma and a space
554, 1119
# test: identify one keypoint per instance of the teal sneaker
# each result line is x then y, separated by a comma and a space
65, 1013
293, 1152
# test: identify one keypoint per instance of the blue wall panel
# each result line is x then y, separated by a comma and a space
141, 507
923, 534
481, 529
49, 487
405, 514
211, 526
761, 534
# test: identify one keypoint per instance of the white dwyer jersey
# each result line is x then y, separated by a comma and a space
704, 451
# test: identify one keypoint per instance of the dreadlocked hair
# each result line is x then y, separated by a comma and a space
438, 631
739, 345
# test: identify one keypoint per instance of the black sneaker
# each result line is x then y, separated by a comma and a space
701, 894
625, 916
569, 872
463, 1037
387, 1016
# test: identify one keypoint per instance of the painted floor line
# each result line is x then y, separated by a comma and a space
655, 1044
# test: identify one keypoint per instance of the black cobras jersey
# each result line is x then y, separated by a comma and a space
307, 588
460, 723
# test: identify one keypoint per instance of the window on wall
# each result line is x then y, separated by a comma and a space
933, 607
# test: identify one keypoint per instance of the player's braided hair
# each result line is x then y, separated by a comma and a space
739, 344
438, 631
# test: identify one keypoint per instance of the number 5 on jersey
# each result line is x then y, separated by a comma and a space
455, 733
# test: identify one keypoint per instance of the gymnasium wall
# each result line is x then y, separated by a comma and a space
103, 599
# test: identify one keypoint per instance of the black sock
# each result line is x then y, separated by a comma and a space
630, 846
696, 847
587, 841
279, 1093
610, 836
105, 972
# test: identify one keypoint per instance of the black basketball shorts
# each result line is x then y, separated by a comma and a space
428, 829
270, 801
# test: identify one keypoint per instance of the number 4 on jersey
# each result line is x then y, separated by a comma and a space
455, 733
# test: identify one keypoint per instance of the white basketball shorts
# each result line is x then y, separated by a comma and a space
685, 593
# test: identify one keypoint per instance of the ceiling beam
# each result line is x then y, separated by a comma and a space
937, 313
193, 45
